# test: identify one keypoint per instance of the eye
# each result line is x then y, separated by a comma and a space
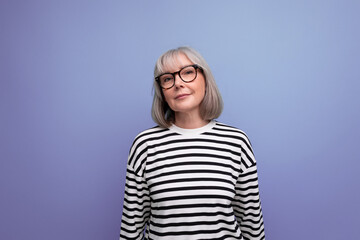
188, 71
166, 78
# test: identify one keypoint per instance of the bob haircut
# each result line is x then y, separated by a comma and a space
210, 107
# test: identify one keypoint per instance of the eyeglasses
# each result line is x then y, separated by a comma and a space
186, 74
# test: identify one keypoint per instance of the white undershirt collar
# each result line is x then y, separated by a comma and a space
194, 131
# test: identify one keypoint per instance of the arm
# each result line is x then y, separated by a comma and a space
136, 208
247, 205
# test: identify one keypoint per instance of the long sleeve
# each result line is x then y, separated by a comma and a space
136, 208
247, 205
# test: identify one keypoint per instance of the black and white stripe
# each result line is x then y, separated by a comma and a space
183, 184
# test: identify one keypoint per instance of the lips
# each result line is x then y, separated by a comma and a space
181, 96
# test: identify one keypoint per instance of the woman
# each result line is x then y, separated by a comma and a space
190, 177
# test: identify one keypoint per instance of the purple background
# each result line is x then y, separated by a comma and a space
75, 89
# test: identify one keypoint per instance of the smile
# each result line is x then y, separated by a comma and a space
182, 96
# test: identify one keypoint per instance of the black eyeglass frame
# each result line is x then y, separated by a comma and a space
157, 79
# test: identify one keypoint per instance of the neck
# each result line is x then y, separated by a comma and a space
189, 121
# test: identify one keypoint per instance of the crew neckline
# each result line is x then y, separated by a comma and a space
193, 131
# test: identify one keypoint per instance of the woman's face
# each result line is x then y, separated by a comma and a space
185, 97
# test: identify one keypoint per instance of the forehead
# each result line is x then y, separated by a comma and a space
174, 62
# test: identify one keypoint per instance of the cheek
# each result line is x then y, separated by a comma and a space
166, 96
202, 88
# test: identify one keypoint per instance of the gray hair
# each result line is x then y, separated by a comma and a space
212, 104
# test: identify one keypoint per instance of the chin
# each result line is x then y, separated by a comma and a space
185, 109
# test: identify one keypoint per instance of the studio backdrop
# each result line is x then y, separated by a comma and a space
76, 88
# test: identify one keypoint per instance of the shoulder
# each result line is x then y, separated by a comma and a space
240, 137
138, 150
229, 128
231, 131
149, 133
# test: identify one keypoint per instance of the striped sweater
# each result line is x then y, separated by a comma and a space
187, 184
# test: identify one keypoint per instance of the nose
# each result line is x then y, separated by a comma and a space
178, 81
